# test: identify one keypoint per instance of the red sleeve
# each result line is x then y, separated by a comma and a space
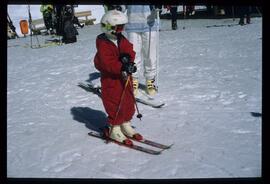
127, 47
108, 61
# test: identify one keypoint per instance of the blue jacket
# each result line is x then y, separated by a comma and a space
137, 19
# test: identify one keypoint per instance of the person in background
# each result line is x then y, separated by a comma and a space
142, 32
69, 31
115, 61
244, 11
190, 10
108, 7
47, 11
173, 11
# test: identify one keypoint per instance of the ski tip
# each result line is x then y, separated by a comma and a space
80, 84
158, 152
170, 145
167, 147
162, 105
159, 106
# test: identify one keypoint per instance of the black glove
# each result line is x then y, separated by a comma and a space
124, 58
129, 68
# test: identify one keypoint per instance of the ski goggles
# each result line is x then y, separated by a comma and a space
118, 28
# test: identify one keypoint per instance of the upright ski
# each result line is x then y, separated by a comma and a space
135, 147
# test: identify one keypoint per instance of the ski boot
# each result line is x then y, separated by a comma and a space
248, 19
241, 21
135, 86
174, 25
117, 135
130, 132
150, 87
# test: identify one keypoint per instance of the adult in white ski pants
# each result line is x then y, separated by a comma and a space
138, 31
143, 57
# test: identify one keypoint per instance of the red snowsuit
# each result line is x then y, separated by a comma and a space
112, 83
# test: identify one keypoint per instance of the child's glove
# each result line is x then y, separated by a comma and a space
129, 68
124, 58
127, 65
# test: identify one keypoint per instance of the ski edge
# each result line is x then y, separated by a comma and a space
153, 143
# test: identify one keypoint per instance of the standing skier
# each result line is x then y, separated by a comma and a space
47, 11
142, 32
115, 61
244, 11
173, 11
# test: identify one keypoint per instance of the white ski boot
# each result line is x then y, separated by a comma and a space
117, 135
150, 87
129, 131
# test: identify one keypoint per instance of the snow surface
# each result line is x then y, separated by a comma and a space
210, 79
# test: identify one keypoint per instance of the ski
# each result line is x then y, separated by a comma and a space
91, 88
97, 91
146, 99
149, 103
153, 143
53, 41
135, 147
222, 25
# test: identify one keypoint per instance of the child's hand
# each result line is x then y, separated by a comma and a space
129, 68
124, 58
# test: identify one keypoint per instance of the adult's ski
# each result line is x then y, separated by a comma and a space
135, 147
150, 103
222, 25
97, 90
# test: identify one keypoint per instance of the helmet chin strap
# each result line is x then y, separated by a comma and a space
111, 35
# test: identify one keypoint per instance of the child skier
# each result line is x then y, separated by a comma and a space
115, 61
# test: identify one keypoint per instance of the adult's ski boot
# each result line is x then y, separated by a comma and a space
150, 87
135, 86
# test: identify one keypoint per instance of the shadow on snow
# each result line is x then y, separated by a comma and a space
93, 119
93, 76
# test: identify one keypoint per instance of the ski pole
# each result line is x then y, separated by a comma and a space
233, 13
157, 52
121, 99
184, 12
30, 25
120, 103
258, 11
139, 115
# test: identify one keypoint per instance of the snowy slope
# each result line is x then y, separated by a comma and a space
210, 79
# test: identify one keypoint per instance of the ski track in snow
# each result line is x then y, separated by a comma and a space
209, 78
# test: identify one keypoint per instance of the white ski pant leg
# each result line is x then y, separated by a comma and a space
136, 40
150, 58
140, 43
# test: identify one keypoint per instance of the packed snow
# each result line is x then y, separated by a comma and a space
209, 78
